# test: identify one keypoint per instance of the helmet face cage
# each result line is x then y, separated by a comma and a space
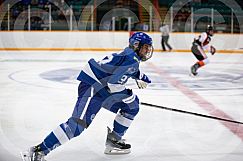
137, 41
147, 55
209, 28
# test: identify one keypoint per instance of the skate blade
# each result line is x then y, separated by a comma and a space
116, 151
192, 75
24, 156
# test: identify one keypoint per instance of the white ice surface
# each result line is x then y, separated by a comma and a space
39, 91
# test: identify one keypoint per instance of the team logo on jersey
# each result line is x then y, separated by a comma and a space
92, 116
131, 70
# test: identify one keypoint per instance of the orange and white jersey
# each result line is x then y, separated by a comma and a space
203, 40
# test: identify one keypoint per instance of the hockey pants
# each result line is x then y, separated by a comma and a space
87, 106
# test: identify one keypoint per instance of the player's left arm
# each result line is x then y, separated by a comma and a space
210, 49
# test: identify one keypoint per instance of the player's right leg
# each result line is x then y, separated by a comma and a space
85, 109
201, 57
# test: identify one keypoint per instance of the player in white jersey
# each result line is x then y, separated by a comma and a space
164, 29
199, 46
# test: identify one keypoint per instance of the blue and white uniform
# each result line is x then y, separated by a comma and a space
102, 84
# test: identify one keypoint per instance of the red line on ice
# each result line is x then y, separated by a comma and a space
236, 129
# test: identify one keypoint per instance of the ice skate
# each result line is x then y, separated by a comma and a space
115, 146
194, 69
33, 154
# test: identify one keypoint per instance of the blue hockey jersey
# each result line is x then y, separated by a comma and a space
113, 71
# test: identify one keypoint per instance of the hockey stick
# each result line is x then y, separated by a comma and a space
191, 113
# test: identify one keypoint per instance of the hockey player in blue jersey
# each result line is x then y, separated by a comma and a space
102, 84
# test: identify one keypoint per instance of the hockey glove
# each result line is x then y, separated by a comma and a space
145, 79
213, 50
143, 82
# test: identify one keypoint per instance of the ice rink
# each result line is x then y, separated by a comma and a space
39, 91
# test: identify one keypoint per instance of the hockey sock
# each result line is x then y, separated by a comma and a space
121, 124
200, 63
62, 134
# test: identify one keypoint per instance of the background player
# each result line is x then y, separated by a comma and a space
164, 29
103, 85
199, 46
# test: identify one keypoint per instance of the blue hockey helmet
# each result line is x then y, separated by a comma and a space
137, 42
